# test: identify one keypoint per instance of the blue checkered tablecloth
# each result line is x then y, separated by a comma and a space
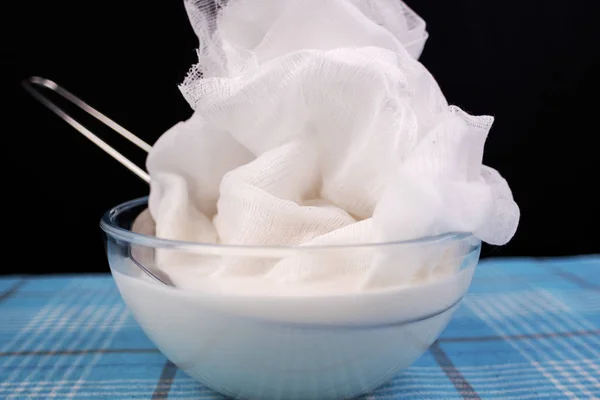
527, 329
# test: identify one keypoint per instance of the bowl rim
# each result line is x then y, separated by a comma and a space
110, 228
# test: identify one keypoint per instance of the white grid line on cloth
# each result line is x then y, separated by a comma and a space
150, 385
401, 385
531, 302
537, 345
151, 381
487, 383
27, 335
484, 372
179, 391
537, 395
517, 379
564, 344
491, 368
492, 380
480, 311
66, 385
548, 388
125, 391
558, 323
89, 313
483, 388
507, 296
106, 315
97, 357
176, 395
554, 345
545, 297
94, 314
491, 383
132, 383
32, 338
50, 309
445, 395
591, 308
198, 395
590, 296
54, 319
550, 305
91, 342
82, 312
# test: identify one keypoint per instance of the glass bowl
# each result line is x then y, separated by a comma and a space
253, 345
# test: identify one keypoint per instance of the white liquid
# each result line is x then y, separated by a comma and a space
270, 347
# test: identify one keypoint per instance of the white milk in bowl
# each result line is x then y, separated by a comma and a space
289, 347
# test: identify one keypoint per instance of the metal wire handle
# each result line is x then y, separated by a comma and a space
33, 81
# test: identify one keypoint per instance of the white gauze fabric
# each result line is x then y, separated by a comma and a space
315, 124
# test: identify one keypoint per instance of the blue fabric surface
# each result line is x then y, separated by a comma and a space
527, 329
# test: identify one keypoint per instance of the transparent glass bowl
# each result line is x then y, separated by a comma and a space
254, 346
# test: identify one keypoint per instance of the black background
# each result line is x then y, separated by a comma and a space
531, 64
